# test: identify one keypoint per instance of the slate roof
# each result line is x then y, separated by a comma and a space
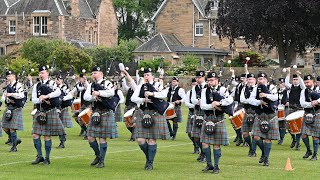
169, 43
82, 44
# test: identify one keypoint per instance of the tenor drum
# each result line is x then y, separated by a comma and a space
128, 116
281, 114
76, 105
294, 121
85, 115
237, 119
170, 113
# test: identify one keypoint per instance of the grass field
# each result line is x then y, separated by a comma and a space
125, 160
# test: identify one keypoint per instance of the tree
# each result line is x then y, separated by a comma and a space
289, 25
134, 17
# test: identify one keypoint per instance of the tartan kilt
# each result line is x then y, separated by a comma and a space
196, 131
107, 127
245, 126
220, 135
178, 118
159, 130
311, 129
16, 121
66, 118
273, 133
189, 122
54, 126
118, 114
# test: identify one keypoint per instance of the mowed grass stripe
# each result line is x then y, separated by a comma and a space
125, 160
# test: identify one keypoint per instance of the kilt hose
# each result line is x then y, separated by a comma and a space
159, 130
16, 121
220, 135
311, 129
107, 128
273, 133
66, 118
53, 127
118, 114
245, 126
189, 122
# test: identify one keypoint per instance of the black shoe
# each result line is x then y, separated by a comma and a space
207, 168
38, 160
81, 132
216, 169
85, 138
235, 139
146, 165
8, 142
245, 144
239, 142
19, 141
196, 151
13, 149
203, 159
293, 143
280, 142
199, 157
95, 161
261, 160
173, 138
100, 165
252, 154
266, 162
149, 166
46, 161
297, 148
61, 146
308, 153
314, 157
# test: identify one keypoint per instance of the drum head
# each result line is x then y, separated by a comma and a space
76, 101
238, 112
34, 112
295, 115
84, 112
129, 113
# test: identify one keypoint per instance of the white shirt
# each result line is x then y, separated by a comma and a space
303, 101
187, 100
121, 96
194, 99
19, 94
126, 88
289, 85
243, 99
181, 93
56, 91
255, 102
224, 102
108, 92
162, 94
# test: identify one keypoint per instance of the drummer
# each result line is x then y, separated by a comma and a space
118, 93
249, 116
294, 96
310, 100
175, 95
282, 101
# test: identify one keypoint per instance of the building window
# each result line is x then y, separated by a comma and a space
214, 30
141, 57
90, 34
1, 51
157, 57
12, 27
316, 58
95, 37
199, 29
40, 25
87, 36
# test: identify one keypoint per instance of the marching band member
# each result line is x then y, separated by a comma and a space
318, 85
102, 124
46, 122
282, 101
118, 93
249, 115
310, 100
14, 99
195, 99
294, 96
66, 101
265, 126
190, 122
176, 95
213, 98
150, 122
129, 88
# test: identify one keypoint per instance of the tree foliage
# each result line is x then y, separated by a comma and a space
288, 25
134, 17
17, 65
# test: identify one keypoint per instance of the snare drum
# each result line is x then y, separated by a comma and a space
76, 105
237, 118
85, 115
128, 116
294, 121
170, 113
281, 114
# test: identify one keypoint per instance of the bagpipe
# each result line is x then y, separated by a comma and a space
45, 89
106, 102
271, 105
215, 96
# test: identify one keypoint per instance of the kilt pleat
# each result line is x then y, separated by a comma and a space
159, 130
16, 121
245, 126
107, 128
220, 135
189, 122
53, 127
196, 131
66, 118
118, 114
273, 133
311, 129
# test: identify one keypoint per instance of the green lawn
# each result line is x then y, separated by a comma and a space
125, 160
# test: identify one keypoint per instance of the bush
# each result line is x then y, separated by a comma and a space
17, 64
239, 61
190, 60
